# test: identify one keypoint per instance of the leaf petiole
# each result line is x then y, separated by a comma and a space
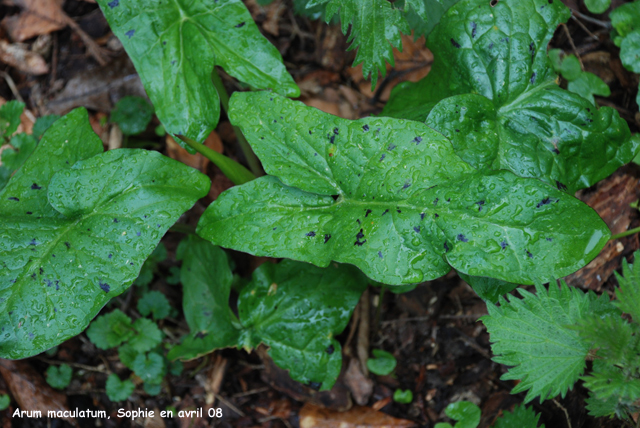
252, 159
626, 233
232, 169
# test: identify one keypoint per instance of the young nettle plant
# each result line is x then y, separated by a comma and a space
547, 338
468, 415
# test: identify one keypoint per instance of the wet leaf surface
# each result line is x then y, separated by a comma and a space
77, 230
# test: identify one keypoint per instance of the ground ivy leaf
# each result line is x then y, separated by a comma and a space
206, 279
147, 336
118, 390
59, 377
382, 363
175, 45
154, 302
110, 330
510, 114
75, 239
132, 114
532, 334
597, 6
150, 367
391, 197
297, 309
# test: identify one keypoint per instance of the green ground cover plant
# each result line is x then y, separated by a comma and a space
472, 169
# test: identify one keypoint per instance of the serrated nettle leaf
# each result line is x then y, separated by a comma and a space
608, 407
297, 309
532, 334
118, 390
511, 114
375, 28
59, 377
175, 45
391, 197
488, 288
612, 337
607, 380
294, 308
206, 279
628, 291
10, 118
110, 330
76, 230
521, 417
132, 114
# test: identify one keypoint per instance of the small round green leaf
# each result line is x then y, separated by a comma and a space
466, 413
150, 367
118, 390
5, 400
110, 330
383, 362
597, 6
403, 396
59, 377
147, 336
154, 302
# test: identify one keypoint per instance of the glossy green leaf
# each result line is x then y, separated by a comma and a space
59, 377
132, 114
76, 230
510, 114
374, 26
382, 363
532, 334
488, 288
175, 45
424, 15
520, 416
118, 390
10, 118
295, 309
630, 52
110, 330
391, 197
156, 303
597, 6
43, 123
206, 279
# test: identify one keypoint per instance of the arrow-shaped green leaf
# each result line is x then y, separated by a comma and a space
76, 229
391, 197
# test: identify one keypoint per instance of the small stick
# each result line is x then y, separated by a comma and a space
584, 27
566, 413
575, 50
76, 365
603, 24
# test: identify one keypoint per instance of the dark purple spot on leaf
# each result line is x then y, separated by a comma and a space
543, 202
435, 202
455, 44
130, 33
115, 220
533, 78
385, 211
315, 385
380, 254
421, 216
480, 204
240, 25
367, 213
329, 349
446, 247
138, 233
416, 229
110, 255
104, 286
113, 3
504, 244
34, 186
399, 211
201, 335
33, 242
327, 237
311, 234
549, 239
365, 127
529, 254
68, 245
391, 147
29, 213
384, 155
462, 238
474, 29
359, 236
13, 198
417, 140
